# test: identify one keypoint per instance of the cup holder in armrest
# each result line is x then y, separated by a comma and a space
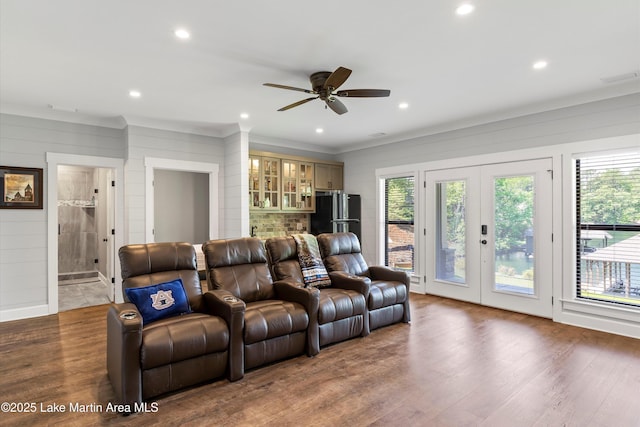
230, 299
128, 315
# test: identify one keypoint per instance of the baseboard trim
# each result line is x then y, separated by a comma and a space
24, 313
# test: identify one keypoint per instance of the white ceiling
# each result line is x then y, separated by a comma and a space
453, 70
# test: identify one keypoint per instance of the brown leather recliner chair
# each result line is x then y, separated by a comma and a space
278, 315
147, 357
388, 300
342, 312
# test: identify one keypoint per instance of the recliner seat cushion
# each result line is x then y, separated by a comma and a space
337, 304
273, 318
384, 294
180, 338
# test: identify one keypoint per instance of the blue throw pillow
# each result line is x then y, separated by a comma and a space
156, 302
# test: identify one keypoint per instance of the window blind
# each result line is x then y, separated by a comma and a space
399, 211
608, 232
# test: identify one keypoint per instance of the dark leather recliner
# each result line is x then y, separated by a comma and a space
342, 312
277, 315
144, 361
388, 300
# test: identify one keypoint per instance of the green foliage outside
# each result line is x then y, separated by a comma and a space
456, 204
611, 196
400, 196
513, 211
513, 215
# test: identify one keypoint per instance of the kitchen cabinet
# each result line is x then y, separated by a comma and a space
298, 193
264, 183
328, 176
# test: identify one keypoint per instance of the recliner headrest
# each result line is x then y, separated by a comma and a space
226, 252
139, 259
338, 244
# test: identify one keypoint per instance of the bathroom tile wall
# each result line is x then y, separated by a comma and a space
77, 236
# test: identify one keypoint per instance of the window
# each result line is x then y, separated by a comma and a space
399, 223
608, 232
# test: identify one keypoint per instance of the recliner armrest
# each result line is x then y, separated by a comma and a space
380, 272
309, 298
223, 303
344, 280
124, 339
291, 291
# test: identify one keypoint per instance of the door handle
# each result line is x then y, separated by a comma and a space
483, 241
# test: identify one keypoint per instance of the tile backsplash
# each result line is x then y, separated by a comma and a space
272, 224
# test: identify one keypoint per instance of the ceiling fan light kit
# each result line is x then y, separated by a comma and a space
324, 85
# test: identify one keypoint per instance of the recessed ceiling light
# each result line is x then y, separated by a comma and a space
403, 105
465, 9
244, 116
319, 130
539, 65
135, 93
182, 34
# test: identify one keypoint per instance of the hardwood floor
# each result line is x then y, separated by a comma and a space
457, 364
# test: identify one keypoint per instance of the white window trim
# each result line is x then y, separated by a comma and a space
604, 316
417, 284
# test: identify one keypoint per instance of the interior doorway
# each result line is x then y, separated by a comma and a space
85, 244
181, 206
491, 233
164, 167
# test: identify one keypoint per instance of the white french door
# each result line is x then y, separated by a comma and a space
489, 235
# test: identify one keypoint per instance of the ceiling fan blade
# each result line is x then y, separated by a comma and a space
288, 87
336, 105
295, 104
335, 79
363, 93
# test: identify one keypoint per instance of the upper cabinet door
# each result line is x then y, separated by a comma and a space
264, 183
328, 177
298, 193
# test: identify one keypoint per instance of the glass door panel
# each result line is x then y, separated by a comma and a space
306, 186
290, 180
517, 249
453, 253
451, 236
513, 235
271, 173
254, 182
489, 235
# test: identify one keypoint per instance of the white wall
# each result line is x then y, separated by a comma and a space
236, 201
23, 233
612, 124
612, 117
24, 141
160, 144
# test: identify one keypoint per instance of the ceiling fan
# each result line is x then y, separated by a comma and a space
324, 84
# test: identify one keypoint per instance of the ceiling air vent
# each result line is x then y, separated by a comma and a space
621, 77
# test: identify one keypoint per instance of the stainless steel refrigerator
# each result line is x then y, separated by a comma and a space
336, 212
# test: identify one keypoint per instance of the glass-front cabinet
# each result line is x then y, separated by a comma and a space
264, 183
297, 186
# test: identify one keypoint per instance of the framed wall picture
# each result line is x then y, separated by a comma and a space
21, 188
